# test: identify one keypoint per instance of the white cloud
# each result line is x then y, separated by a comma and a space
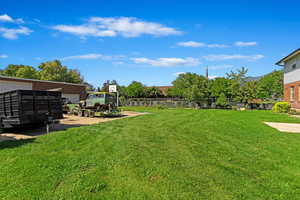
218, 67
7, 18
90, 56
12, 33
112, 26
217, 45
212, 77
85, 30
94, 56
168, 62
233, 57
200, 44
191, 44
245, 44
178, 73
3, 56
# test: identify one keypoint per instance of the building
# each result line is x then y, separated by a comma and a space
73, 92
291, 79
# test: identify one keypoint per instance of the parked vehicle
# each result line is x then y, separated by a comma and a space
97, 104
21, 107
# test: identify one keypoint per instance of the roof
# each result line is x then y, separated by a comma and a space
288, 57
35, 80
160, 87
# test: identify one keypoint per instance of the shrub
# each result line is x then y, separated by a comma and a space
161, 107
294, 112
221, 100
282, 107
234, 107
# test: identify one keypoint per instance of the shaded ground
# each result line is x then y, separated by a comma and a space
69, 121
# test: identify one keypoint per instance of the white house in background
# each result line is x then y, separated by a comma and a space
291, 80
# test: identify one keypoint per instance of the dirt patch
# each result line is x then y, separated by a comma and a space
285, 127
69, 121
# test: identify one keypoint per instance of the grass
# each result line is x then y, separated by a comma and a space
169, 154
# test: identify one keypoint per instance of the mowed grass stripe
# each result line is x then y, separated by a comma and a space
169, 154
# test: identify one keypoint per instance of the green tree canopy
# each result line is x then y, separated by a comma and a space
20, 71
270, 86
237, 83
153, 92
191, 86
220, 86
55, 71
50, 71
135, 89
221, 100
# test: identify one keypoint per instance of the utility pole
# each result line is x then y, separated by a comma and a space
206, 73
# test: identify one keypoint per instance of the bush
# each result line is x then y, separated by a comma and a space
294, 112
222, 101
282, 107
161, 107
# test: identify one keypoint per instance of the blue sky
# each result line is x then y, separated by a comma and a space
149, 41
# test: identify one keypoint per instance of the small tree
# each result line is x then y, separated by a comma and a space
191, 86
270, 86
220, 86
237, 82
135, 89
153, 92
222, 100
248, 92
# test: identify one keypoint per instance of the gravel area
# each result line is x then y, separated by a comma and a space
69, 121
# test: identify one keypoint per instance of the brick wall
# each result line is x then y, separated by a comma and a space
296, 102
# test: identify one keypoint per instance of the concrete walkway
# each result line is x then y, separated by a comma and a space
285, 127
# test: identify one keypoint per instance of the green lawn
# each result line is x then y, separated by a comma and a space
169, 154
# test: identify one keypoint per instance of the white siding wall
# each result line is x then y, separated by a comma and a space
292, 76
14, 85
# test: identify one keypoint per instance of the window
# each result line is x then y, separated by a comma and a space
294, 66
292, 93
91, 96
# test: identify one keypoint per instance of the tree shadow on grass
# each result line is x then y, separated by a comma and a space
7, 142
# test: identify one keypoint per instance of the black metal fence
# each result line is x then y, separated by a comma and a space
203, 104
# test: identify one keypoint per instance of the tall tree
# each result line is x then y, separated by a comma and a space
191, 86
20, 71
220, 86
248, 92
55, 71
270, 86
237, 81
135, 89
